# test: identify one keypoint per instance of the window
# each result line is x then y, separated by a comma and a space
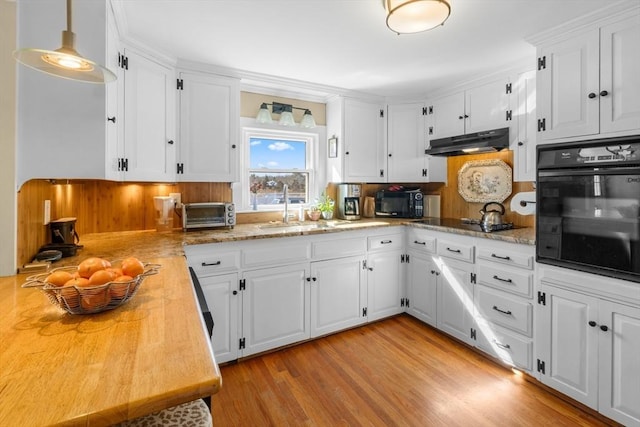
271, 160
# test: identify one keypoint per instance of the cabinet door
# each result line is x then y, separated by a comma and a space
620, 76
446, 116
209, 120
149, 120
406, 143
523, 143
337, 295
364, 142
455, 299
568, 72
384, 284
486, 107
275, 307
221, 293
619, 370
422, 288
568, 344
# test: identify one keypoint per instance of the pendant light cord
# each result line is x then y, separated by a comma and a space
69, 20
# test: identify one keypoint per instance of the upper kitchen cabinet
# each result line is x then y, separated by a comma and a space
209, 112
406, 142
360, 128
476, 109
589, 79
523, 127
62, 125
146, 147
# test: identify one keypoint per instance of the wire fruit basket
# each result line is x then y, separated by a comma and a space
90, 299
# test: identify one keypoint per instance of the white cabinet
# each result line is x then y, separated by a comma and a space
421, 301
338, 294
209, 114
360, 127
275, 307
221, 294
384, 275
523, 128
146, 150
62, 126
477, 109
589, 84
406, 142
455, 298
588, 344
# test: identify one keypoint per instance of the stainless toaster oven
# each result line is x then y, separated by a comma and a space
208, 215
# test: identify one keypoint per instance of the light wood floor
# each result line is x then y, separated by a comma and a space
397, 372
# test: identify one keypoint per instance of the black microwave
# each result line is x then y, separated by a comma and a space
399, 204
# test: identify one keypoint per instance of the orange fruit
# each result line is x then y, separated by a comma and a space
117, 271
132, 266
78, 281
58, 278
94, 301
120, 285
101, 277
90, 265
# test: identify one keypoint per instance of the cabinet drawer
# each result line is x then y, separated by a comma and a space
420, 240
216, 263
506, 256
505, 310
518, 282
456, 250
338, 248
385, 242
270, 253
509, 347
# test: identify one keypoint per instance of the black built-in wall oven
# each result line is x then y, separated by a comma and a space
588, 201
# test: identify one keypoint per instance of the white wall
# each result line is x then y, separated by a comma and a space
8, 221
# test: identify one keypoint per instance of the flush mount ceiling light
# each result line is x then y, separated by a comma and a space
286, 115
414, 16
65, 62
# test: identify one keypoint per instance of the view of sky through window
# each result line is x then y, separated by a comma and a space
277, 154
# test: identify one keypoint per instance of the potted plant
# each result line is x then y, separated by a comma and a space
314, 213
325, 205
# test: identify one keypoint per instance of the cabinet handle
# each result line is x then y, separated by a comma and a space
508, 312
457, 251
460, 117
466, 116
233, 145
502, 280
592, 323
420, 243
347, 153
385, 242
235, 292
111, 119
604, 93
592, 95
170, 142
499, 344
389, 154
506, 258
520, 143
604, 328
209, 264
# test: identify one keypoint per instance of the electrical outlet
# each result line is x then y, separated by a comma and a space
47, 212
176, 199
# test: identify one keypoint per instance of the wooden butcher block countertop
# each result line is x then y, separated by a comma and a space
63, 369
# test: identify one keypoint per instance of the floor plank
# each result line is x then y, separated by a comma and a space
397, 372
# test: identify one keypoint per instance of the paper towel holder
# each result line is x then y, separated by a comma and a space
524, 203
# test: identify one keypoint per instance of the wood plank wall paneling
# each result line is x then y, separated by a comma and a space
106, 206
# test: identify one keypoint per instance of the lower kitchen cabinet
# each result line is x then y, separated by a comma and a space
588, 349
455, 298
422, 286
221, 293
338, 295
384, 275
275, 307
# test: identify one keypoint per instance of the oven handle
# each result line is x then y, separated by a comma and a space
586, 172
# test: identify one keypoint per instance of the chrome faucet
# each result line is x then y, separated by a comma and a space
285, 194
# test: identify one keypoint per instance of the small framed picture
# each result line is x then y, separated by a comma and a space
333, 147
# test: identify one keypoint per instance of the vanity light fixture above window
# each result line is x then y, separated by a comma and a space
414, 16
286, 115
65, 61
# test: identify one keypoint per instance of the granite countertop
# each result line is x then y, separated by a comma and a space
150, 244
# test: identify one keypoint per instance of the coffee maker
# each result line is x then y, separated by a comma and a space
349, 201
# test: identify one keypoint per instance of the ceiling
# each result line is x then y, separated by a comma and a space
345, 44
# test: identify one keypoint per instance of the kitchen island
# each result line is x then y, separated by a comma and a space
146, 355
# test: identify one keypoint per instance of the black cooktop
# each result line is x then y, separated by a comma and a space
465, 224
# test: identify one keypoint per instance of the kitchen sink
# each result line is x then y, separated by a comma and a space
306, 225
283, 224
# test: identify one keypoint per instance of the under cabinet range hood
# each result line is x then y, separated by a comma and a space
471, 143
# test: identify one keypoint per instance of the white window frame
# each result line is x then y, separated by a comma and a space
252, 129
